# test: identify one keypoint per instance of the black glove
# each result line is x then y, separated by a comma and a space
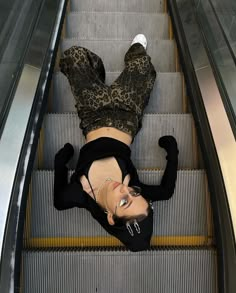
64, 154
169, 143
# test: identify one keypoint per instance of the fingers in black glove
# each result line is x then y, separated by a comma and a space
65, 154
69, 149
168, 142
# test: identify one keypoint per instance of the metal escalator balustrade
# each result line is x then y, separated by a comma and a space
88, 258
17, 21
218, 27
199, 26
19, 134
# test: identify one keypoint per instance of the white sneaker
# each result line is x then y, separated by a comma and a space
140, 38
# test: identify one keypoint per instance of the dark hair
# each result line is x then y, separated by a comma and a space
119, 221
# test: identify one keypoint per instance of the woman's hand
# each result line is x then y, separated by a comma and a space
64, 154
169, 143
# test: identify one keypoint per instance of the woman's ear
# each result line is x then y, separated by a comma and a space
110, 218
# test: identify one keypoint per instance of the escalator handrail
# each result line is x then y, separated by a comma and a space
215, 135
227, 42
19, 135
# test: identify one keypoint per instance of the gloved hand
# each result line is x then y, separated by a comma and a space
64, 154
169, 143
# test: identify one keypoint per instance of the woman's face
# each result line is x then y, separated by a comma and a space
122, 202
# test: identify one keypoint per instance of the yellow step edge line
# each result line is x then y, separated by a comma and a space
40, 148
50, 97
57, 62
27, 225
170, 29
184, 95
112, 242
165, 6
195, 145
64, 28
177, 65
208, 209
63, 36
68, 8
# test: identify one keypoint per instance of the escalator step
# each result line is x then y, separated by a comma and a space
62, 128
94, 25
166, 96
182, 220
113, 271
112, 52
118, 5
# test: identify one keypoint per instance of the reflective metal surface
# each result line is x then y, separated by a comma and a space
12, 140
221, 129
222, 134
214, 130
220, 126
221, 47
226, 13
13, 136
19, 135
17, 22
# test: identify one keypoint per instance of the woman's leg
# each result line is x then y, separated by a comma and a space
131, 90
86, 74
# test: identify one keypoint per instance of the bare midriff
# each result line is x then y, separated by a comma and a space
109, 132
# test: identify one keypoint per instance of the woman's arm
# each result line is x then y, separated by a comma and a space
165, 190
66, 195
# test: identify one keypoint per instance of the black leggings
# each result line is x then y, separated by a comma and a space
120, 105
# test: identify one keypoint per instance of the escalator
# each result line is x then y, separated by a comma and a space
68, 251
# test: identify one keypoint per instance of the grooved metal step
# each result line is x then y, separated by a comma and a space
112, 52
125, 272
118, 5
62, 128
166, 96
183, 220
94, 25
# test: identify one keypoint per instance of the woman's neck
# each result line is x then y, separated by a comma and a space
102, 194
